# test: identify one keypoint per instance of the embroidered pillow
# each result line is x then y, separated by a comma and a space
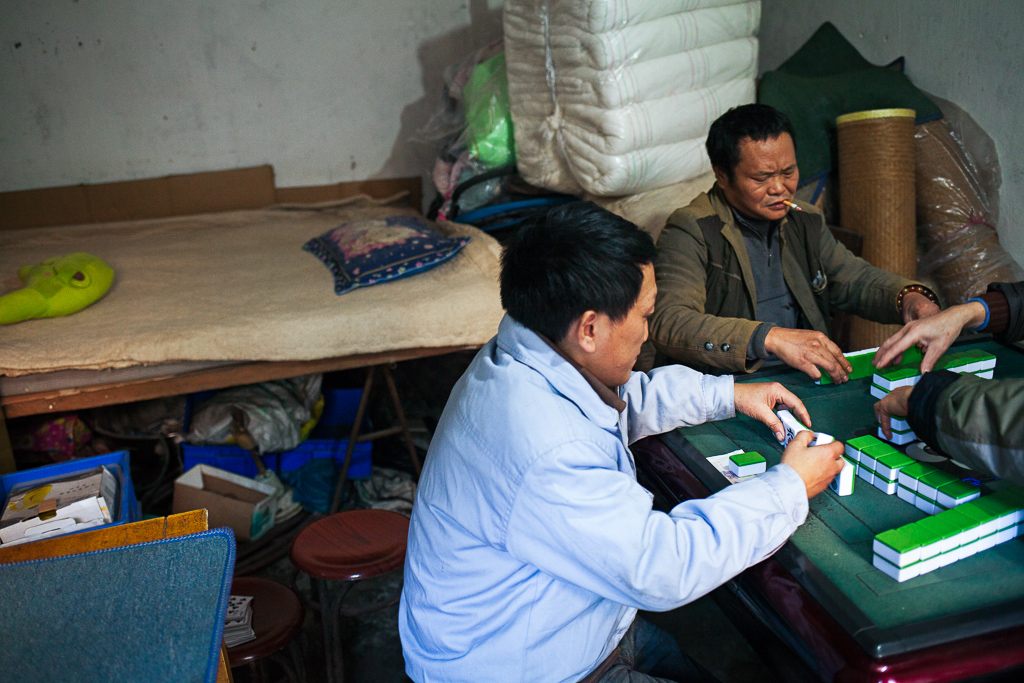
368, 252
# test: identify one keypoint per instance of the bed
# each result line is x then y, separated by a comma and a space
228, 297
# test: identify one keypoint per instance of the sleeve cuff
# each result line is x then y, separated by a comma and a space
1006, 301
755, 349
924, 401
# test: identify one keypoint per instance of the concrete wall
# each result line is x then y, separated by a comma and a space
325, 90
967, 52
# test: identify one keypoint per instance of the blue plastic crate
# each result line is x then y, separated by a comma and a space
340, 407
237, 460
127, 506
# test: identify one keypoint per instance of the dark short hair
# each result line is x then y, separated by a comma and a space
755, 121
574, 258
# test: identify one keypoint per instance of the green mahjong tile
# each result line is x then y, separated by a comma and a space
743, 459
863, 363
896, 374
959, 520
878, 450
895, 460
957, 490
916, 470
862, 442
880, 388
939, 526
994, 506
961, 358
937, 478
975, 512
901, 540
1011, 494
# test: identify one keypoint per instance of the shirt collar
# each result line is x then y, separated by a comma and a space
572, 381
609, 397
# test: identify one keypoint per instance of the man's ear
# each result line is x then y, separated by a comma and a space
721, 177
583, 333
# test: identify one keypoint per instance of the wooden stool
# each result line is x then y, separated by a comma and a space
348, 547
277, 615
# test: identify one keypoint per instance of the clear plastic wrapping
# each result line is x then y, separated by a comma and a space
958, 180
473, 128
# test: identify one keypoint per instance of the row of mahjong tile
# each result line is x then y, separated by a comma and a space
951, 535
975, 361
927, 488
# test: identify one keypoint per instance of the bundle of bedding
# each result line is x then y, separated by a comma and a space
614, 97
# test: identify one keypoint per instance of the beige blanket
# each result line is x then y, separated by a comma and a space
237, 286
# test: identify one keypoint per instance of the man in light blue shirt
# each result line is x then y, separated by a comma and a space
532, 546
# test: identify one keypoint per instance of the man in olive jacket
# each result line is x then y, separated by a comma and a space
746, 274
977, 421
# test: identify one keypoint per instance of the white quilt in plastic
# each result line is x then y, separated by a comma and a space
614, 97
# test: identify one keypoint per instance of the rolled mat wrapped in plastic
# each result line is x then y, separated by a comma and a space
957, 211
876, 197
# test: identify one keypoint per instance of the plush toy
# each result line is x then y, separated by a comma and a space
57, 286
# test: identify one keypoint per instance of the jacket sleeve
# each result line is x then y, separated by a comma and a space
674, 396
976, 421
855, 285
680, 328
1007, 323
563, 523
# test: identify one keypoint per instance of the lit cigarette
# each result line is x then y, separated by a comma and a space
791, 205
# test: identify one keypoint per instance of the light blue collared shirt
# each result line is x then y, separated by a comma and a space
532, 545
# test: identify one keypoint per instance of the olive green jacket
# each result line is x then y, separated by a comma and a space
978, 421
706, 314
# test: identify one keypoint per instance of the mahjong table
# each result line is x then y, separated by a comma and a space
819, 597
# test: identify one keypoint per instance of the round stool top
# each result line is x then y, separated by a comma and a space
277, 616
352, 545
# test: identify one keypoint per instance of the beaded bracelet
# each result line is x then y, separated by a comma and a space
920, 289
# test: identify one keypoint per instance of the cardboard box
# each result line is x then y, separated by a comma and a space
125, 507
54, 507
245, 505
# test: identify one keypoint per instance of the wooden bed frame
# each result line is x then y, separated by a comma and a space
170, 196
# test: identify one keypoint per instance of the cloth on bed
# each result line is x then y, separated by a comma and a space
237, 286
370, 252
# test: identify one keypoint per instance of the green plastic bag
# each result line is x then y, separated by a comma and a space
489, 132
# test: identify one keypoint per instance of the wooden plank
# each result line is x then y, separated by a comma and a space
48, 206
375, 188
201, 380
178, 195
173, 195
109, 537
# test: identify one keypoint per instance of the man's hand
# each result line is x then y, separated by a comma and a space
759, 399
816, 465
896, 403
808, 350
917, 306
933, 335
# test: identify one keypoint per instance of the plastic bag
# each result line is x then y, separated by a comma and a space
958, 179
473, 128
277, 414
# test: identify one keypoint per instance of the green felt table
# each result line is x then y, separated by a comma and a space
832, 550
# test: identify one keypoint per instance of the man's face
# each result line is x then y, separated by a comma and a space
619, 341
765, 175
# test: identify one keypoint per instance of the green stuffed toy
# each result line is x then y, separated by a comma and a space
57, 286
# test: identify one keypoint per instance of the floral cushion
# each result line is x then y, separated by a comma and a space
368, 252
